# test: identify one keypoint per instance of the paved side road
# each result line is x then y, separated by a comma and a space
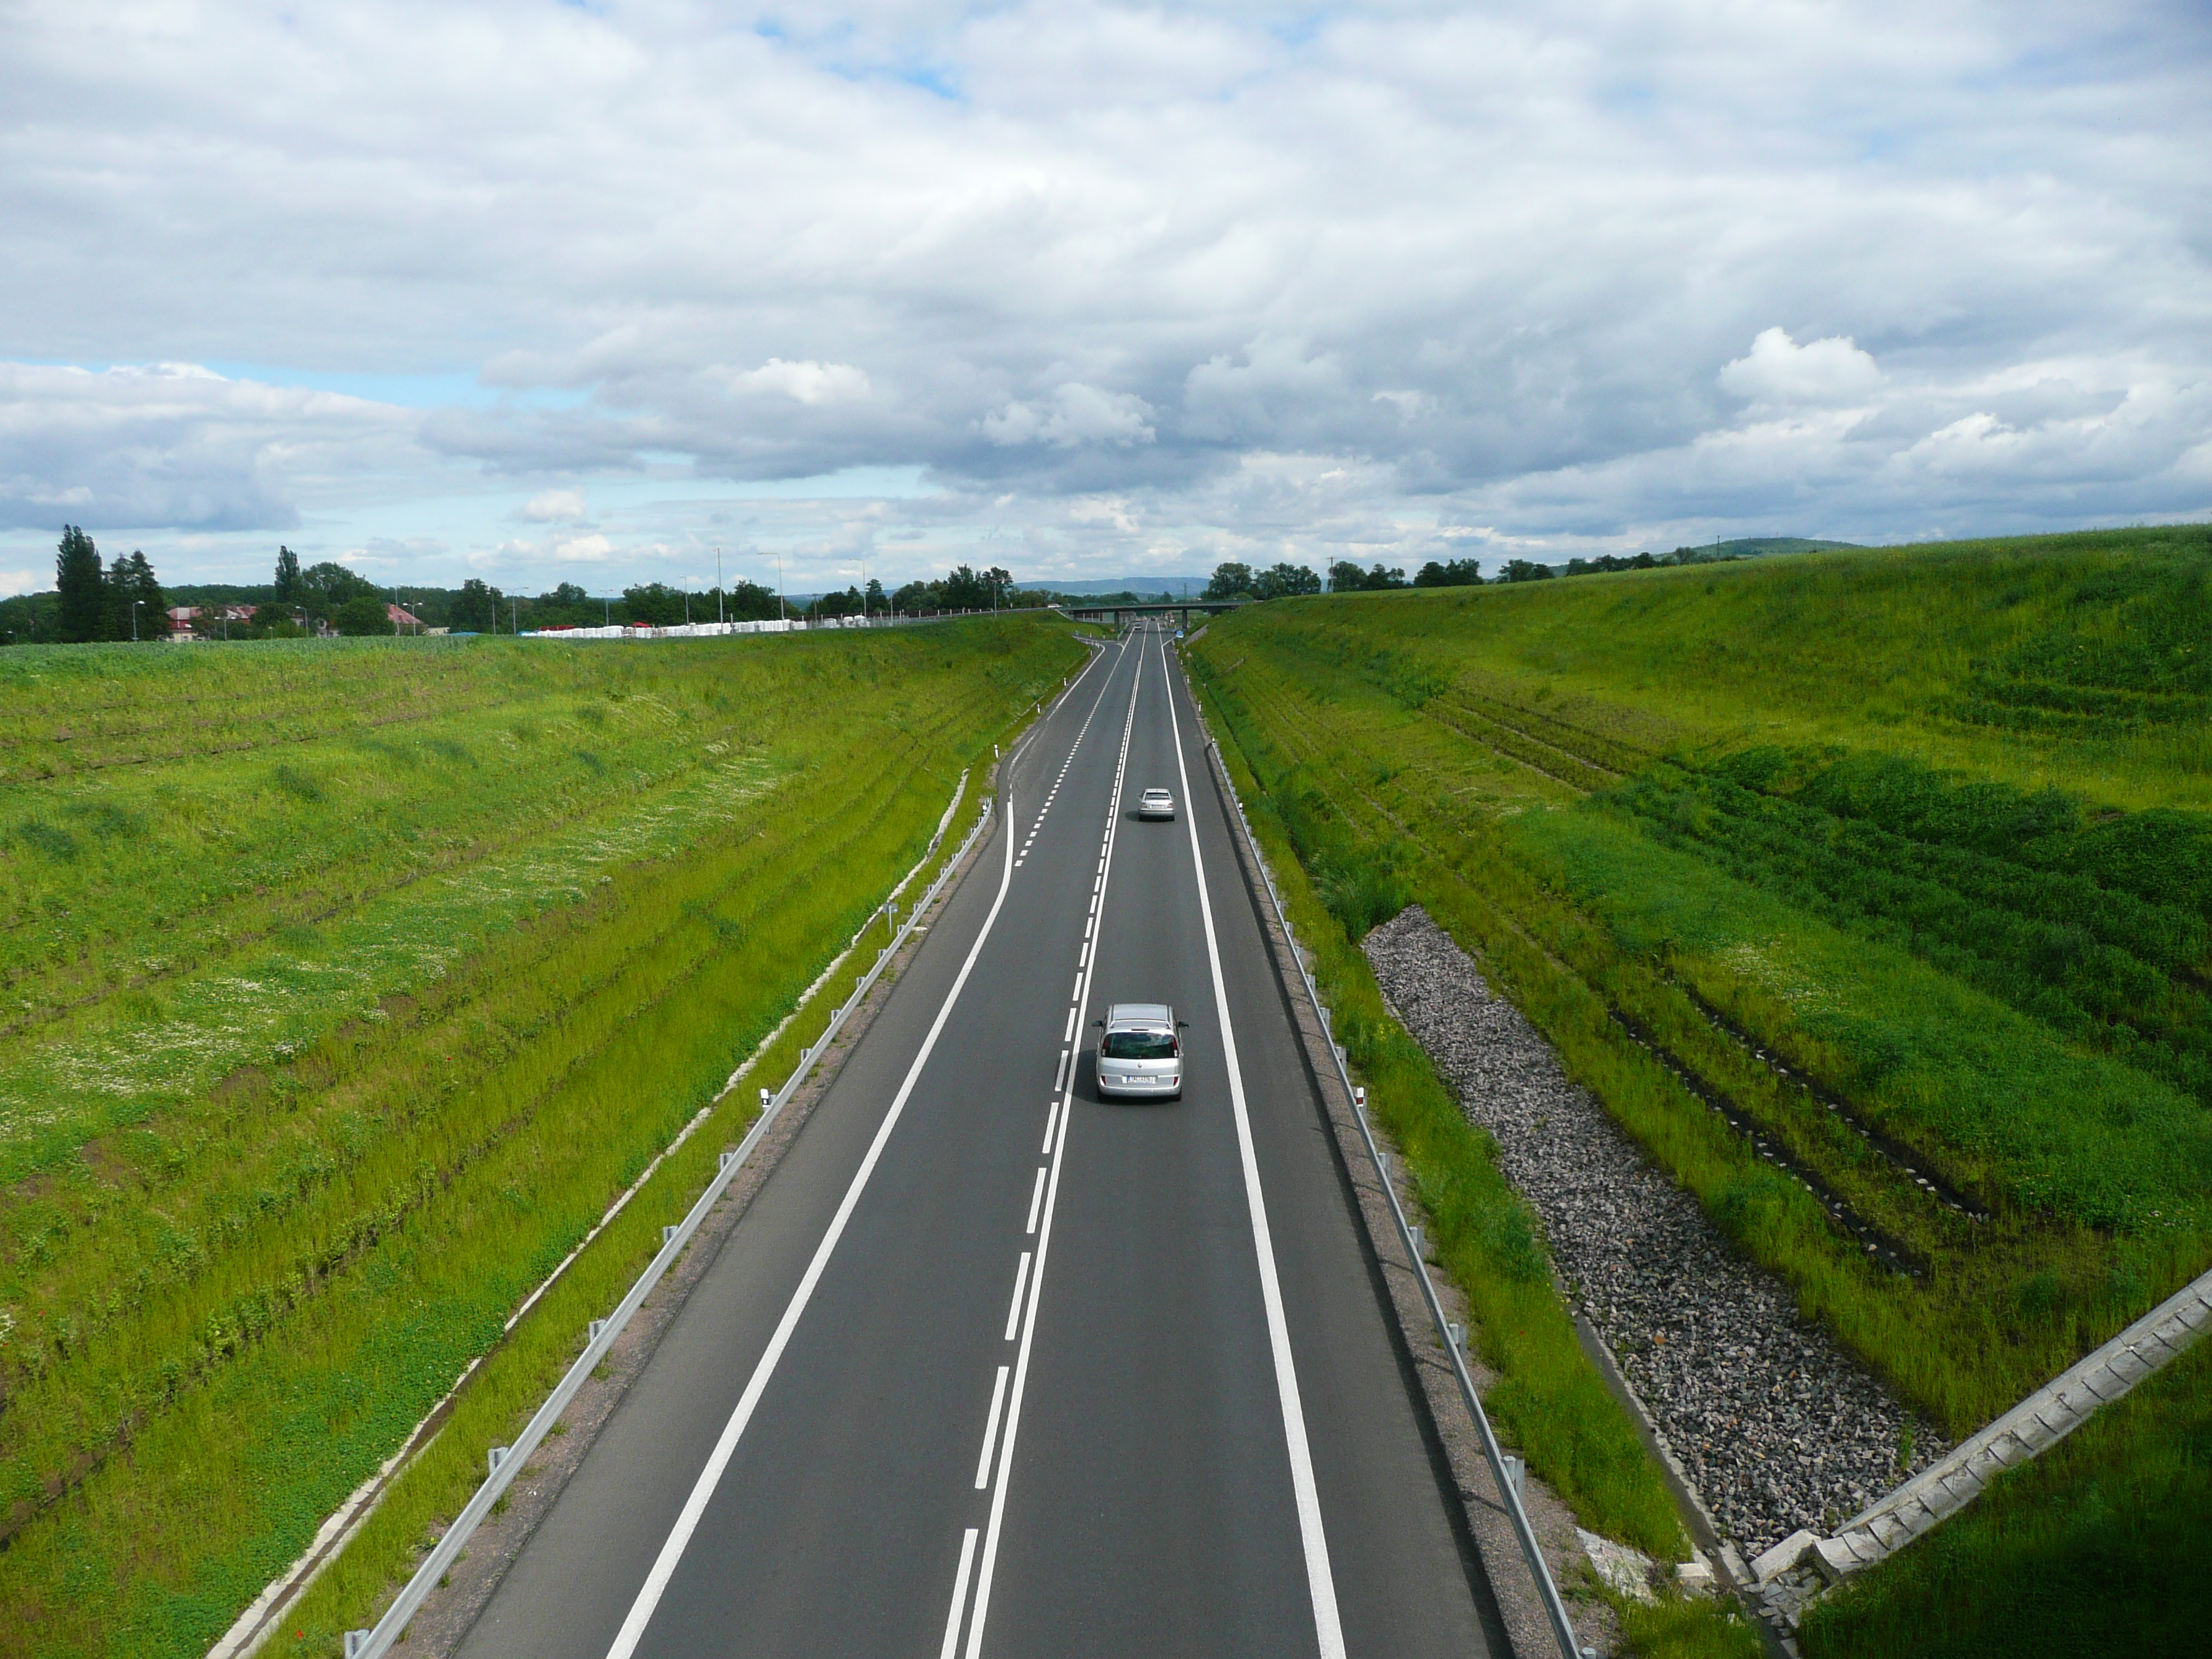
992, 1367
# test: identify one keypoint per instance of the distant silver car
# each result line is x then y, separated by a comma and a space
1141, 1052
1156, 804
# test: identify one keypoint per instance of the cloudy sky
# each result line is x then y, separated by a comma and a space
542, 291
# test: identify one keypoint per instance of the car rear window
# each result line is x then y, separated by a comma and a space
1139, 1045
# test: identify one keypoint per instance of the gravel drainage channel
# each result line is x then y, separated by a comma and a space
1775, 1427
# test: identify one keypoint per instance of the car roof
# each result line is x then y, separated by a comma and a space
1155, 791
1139, 1014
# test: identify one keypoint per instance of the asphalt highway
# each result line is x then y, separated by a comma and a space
990, 1367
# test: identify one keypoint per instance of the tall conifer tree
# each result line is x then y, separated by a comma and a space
77, 580
135, 586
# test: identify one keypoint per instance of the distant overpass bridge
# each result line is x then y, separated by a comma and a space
1115, 614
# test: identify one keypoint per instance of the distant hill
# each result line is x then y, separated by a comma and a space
1746, 546
1175, 585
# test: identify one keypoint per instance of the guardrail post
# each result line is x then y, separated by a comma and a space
728, 1158
495, 1458
591, 1331
1516, 1475
356, 1640
666, 1233
1414, 1233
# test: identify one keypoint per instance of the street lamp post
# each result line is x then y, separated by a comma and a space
719, 617
135, 606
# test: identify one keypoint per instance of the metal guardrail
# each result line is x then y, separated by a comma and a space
506, 1462
1505, 1470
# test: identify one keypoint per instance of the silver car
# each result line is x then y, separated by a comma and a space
1141, 1052
1156, 804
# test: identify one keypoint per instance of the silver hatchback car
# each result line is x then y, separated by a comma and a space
1141, 1053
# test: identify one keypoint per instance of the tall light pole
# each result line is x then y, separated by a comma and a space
134, 604
719, 617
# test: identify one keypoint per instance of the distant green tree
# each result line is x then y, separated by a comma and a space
963, 590
30, 619
277, 622
1457, 573
84, 597
1283, 580
846, 603
136, 607
1520, 570
474, 608
363, 614
1230, 581
288, 584
326, 587
913, 599
655, 604
750, 602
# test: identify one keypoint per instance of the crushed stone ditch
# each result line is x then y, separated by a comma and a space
1776, 1425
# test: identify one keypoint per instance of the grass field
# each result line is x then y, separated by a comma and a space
1897, 858
345, 985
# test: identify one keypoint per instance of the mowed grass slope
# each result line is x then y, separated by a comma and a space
346, 985
1898, 860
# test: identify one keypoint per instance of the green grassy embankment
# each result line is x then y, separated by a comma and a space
346, 986
1551, 1403
1900, 855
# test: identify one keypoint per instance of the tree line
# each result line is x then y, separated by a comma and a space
1242, 581
93, 601
124, 600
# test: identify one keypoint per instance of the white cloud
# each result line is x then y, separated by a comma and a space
178, 444
808, 382
554, 506
1076, 414
1258, 279
1780, 372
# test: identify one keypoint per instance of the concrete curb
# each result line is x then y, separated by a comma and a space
1803, 1566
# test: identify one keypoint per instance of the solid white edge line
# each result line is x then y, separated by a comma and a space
702, 1490
959, 1597
1329, 1630
1036, 1197
991, 1431
1014, 1308
1036, 1298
